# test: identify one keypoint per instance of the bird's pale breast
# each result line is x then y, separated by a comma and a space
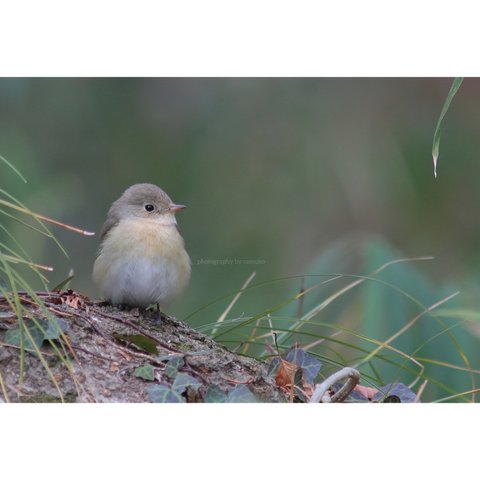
141, 262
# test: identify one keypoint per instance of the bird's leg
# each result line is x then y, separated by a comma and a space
159, 313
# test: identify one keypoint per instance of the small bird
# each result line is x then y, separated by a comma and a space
142, 258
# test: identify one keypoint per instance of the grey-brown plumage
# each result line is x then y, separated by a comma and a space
142, 258
135, 196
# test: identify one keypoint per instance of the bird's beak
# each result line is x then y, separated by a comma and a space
175, 208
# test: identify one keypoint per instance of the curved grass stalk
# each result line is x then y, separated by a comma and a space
447, 365
16, 306
323, 305
359, 280
21, 222
411, 357
4, 160
16, 259
42, 278
457, 395
332, 277
222, 317
335, 276
368, 379
18, 206
352, 346
15, 303
36, 300
23, 209
4, 390
433, 337
41, 357
405, 328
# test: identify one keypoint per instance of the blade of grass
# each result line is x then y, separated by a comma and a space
37, 302
467, 314
4, 390
18, 206
420, 391
21, 222
16, 260
331, 338
447, 365
25, 254
17, 308
222, 317
26, 211
405, 328
444, 399
13, 168
359, 280
63, 283
436, 137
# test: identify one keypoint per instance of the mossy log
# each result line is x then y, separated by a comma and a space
97, 358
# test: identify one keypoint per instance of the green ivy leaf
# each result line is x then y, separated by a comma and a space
55, 328
145, 372
310, 365
13, 336
395, 393
214, 395
184, 381
141, 341
164, 394
241, 394
171, 370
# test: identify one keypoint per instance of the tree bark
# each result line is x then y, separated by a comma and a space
103, 347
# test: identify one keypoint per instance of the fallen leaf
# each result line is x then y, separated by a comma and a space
285, 373
146, 372
73, 300
241, 394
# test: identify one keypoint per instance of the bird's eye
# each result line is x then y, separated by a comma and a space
149, 207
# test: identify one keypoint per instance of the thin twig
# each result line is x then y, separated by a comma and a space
320, 340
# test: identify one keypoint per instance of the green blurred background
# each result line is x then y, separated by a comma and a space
277, 171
